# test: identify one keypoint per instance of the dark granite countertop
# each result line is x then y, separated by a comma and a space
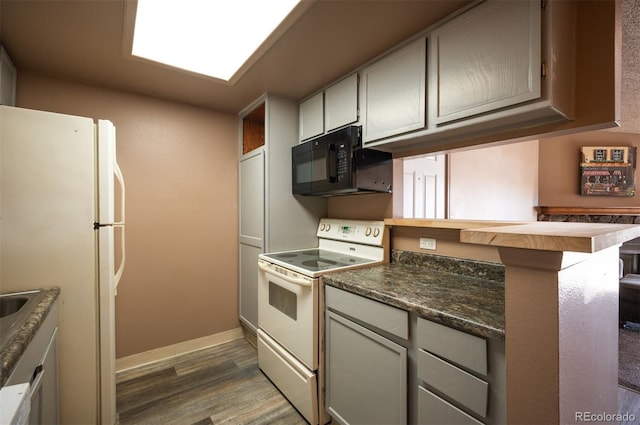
12, 351
462, 294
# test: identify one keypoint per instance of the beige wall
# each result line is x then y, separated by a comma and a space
370, 206
494, 183
559, 172
180, 167
407, 238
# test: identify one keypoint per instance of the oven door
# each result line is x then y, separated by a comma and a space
288, 311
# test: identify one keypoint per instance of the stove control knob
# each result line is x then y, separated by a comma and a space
376, 232
328, 227
368, 231
322, 227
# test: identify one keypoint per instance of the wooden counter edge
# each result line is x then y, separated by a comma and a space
554, 236
447, 223
537, 235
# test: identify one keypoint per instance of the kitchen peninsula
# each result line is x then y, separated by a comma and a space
560, 307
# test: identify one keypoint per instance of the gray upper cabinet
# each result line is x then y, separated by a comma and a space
311, 120
341, 103
393, 93
330, 109
485, 59
8, 76
493, 70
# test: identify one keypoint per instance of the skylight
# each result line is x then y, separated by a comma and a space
210, 37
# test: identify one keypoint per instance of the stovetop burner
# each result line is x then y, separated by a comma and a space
316, 260
285, 255
319, 264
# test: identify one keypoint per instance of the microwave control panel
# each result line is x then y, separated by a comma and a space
342, 162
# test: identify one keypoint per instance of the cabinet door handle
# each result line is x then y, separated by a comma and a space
300, 282
332, 164
36, 379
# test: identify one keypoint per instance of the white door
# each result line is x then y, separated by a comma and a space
251, 171
108, 174
424, 187
48, 192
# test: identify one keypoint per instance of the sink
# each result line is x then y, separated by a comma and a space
15, 309
11, 304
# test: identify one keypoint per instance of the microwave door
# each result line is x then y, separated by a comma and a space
326, 177
302, 169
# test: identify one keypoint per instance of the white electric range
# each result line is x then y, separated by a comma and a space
290, 307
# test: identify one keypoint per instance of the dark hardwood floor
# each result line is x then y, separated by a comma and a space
218, 385
629, 364
223, 385
628, 406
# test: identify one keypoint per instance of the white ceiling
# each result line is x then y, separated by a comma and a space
83, 40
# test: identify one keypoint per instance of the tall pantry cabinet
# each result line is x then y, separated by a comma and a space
270, 218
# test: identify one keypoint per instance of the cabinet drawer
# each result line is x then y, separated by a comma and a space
461, 386
434, 410
466, 350
382, 316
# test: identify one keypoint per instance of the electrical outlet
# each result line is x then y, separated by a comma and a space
427, 243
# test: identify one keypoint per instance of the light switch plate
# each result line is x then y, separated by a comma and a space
427, 243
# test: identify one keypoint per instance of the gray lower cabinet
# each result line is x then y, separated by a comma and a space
39, 366
385, 365
461, 377
44, 392
366, 373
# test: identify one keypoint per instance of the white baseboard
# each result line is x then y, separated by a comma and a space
170, 351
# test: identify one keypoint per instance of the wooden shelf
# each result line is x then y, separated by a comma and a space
253, 135
589, 210
446, 223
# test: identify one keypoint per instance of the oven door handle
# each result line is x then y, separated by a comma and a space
299, 282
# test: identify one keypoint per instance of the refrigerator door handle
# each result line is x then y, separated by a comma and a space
121, 224
118, 173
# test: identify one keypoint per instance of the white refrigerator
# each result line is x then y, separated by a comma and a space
59, 227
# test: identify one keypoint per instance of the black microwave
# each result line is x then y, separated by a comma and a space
335, 164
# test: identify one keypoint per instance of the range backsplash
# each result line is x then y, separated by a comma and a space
587, 215
471, 268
